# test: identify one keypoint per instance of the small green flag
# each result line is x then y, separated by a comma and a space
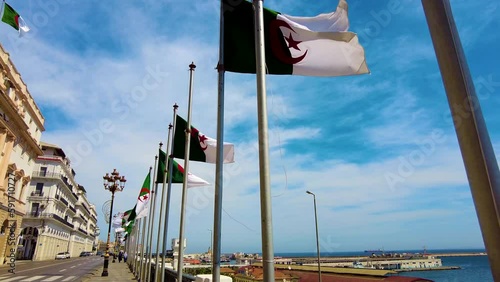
12, 18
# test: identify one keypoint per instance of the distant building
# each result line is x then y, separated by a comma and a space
59, 216
251, 274
21, 127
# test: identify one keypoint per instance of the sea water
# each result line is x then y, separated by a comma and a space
472, 268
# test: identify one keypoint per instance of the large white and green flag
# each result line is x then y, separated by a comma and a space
310, 46
12, 18
141, 208
202, 148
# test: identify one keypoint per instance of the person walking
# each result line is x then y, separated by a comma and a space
120, 256
125, 256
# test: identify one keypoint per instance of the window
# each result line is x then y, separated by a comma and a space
39, 189
4, 227
43, 171
35, 209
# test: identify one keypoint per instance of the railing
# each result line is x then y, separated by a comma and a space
62, 220
85, 207
57, 196
56, 175
46, 174
38, 214
37, 193
64, 201
81, 230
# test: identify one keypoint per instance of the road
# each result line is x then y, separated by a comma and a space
54, 270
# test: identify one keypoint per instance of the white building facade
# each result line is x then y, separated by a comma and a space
59, 217
21, 127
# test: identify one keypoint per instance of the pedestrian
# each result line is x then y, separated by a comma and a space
125, 256
120, 256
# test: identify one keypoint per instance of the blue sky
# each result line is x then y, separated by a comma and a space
106, 75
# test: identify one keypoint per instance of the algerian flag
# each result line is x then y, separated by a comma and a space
130, 226
12, 18
117, 220
128, 216
178, 173
202, 148
119, 229
312, 46
143, 199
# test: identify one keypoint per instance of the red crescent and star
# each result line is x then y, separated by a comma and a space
275, 35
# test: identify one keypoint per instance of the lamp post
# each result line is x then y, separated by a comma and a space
317, 235
114, 183
211, 251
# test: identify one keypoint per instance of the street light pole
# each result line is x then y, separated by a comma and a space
317, 233
211, 250
113, 183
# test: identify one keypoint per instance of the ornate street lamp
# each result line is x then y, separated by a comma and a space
317, 235
113, 183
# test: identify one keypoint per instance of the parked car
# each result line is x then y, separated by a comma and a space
67, 255
99, 253
85, 254
62, 255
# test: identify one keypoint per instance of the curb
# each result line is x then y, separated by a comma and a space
90, 275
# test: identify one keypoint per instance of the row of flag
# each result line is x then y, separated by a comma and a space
310, 46
202, 149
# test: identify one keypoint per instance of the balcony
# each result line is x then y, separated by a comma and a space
35, 195
64, 201
62, 220
44, 174
83, 231
55, 175
37, 214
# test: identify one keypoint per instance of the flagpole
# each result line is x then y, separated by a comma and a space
180, 263
216, 249
143, 247
151, 227
3, 5
160, 221
136, 247
475, 145
147, 264
169, 186
265, 187
143, 222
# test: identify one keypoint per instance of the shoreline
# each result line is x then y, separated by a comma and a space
427, 269
463, 254
459, 254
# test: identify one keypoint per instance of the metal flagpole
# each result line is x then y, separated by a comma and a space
220, 152
136, 242
169, 188
475, 144
149, 243
265, 187
151, 227
140, 238
143, 247
180, 263
160, 219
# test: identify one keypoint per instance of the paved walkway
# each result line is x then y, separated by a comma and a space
116, 272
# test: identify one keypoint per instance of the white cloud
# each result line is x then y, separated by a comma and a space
105, 82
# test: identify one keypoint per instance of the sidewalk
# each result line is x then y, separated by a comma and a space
116, 272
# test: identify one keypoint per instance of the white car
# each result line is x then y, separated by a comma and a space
62, 255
